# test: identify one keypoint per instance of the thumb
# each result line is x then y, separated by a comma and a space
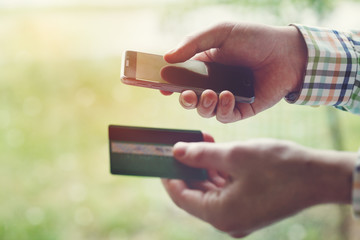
202, 155
205, 40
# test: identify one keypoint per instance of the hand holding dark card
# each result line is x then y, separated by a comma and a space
148, 152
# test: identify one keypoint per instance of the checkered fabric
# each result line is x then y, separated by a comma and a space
332, 75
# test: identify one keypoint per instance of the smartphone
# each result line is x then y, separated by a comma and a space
140, 151
152, 71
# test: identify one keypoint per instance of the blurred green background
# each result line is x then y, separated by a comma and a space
60, 89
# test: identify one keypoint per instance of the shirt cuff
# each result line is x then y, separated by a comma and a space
331, 68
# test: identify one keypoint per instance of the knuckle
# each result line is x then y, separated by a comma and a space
234, 228
228, 227
223, 118
239, 234
270, 146
224, 25
232, 156
236, 152
198, 154
228, 223
205, 113
227, 116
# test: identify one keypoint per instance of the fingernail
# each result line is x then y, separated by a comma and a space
179, 150
225, 101
207, 102
171, 51
185, 103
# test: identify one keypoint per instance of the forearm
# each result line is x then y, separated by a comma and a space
331, 176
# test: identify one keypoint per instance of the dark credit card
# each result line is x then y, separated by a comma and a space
148, 152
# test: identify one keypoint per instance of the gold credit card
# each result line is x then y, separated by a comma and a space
148, 152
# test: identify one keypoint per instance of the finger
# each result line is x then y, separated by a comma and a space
216, 178
246, 110
207, 137
226, 111
188, 99
166, 93
211, 38
203, 186
207, 104
225, 176
239, 234
191, 200
202, 155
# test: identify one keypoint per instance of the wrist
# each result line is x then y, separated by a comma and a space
295, 57
298, 57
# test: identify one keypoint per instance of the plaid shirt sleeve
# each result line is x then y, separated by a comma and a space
332, 75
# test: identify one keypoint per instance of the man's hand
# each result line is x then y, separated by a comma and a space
253, 184
277, 56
